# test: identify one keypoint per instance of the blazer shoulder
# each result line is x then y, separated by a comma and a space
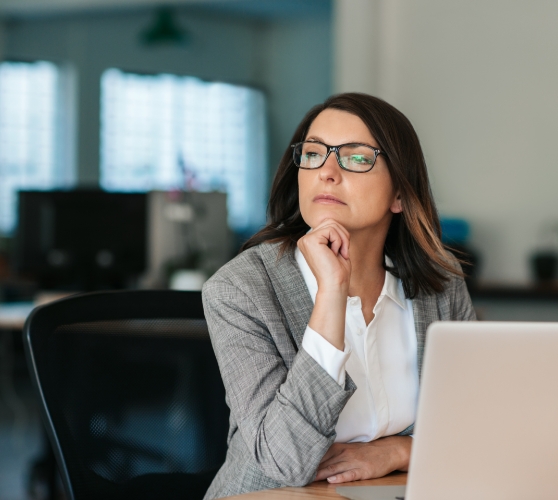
455, 299
247, 271
455, 283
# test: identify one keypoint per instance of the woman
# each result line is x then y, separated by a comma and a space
319, 324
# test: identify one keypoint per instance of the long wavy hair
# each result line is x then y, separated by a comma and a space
413, 241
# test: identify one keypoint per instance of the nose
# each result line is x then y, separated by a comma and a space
330, 170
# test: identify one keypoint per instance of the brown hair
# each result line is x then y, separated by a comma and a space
413, 242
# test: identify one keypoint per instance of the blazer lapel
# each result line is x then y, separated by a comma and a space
290, 288
425, 311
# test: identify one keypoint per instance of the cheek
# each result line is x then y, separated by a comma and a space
302, 194
300, 184
305, 181
374, 198
311, 213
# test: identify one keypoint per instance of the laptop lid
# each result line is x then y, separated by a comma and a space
372, 492
488, 413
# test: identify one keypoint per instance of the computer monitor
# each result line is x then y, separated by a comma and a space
182, 222
81, 239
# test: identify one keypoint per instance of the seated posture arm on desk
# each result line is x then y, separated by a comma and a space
319, 324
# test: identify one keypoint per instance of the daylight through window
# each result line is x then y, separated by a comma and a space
28, 119
169, 132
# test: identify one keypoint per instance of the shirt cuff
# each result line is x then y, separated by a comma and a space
331, 359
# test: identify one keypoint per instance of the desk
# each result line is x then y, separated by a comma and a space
529, 303
320, 489
13, 316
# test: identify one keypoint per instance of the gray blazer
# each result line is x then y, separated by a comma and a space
284, 405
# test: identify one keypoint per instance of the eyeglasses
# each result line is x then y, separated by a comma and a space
353, 157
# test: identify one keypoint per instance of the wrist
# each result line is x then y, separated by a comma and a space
332, 294
403, 452
328, 317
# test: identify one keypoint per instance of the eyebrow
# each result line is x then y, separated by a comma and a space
319, 139
314, 138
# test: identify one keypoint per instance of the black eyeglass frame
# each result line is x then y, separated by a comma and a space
335, 149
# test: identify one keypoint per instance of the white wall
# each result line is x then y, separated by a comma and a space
355, 46
479, 80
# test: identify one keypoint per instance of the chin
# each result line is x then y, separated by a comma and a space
315, 214
316, 220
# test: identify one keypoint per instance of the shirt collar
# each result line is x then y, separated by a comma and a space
393, 288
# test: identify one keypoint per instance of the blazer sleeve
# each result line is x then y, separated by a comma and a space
286, 417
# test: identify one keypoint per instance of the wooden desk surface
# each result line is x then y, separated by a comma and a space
319, 489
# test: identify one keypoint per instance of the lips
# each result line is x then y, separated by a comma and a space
328, 199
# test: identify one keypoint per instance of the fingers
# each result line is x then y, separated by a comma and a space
332, 222
356, 461
334, 449
339, 472
331, 470
330, 233
334, 461
346, 477
326, 250
336, 240
340, 231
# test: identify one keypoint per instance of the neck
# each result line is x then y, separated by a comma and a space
367, 260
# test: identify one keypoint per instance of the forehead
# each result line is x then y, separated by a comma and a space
334, 127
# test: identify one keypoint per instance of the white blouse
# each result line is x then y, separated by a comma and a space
380, 357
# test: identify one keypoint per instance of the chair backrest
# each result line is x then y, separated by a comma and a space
131, 393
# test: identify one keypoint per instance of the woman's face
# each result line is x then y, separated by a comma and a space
362, 200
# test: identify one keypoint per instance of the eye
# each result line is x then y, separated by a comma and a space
310, 149
361, 159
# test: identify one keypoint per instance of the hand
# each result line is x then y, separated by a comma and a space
345, 462
326, 250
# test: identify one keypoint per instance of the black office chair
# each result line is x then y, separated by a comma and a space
131, 393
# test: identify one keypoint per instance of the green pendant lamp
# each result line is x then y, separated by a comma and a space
164, 30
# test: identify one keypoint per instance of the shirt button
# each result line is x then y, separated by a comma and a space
359, 331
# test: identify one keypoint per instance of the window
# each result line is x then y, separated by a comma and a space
168, 132
30, 114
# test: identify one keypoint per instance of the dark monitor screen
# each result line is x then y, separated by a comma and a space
81, 239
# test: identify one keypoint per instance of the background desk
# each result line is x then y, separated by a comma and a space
13, 316
519, 303
22, 439
320, 489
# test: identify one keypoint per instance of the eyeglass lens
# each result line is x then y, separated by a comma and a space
354, 157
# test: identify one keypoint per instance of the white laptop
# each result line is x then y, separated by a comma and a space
487, 422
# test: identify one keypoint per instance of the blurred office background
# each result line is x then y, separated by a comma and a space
170, 117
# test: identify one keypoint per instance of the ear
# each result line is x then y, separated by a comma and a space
396, 206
